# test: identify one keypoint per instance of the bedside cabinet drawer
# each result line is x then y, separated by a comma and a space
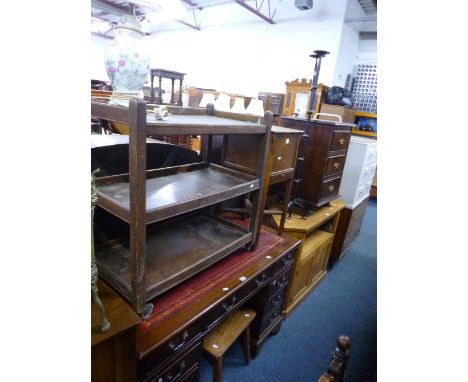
330, 187
284, 147
335, 164
340, 140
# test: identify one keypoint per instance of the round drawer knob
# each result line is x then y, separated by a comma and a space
337, 164
331, 188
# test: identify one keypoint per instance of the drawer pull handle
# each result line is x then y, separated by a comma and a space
331, 188
276, 300
178, 343
336, 164
273, 317
283, 281
182, 367
261, 280
342, 141
227, 307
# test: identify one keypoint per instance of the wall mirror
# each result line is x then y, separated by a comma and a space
296, 102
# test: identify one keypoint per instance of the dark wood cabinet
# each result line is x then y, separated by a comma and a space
240, 153
348, 229
325, 155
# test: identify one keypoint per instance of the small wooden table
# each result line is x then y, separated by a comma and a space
163, 73
316, 233
113, 355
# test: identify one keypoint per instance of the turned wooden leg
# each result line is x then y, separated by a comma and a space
246, 341
217, 369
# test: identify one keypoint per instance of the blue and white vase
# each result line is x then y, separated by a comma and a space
127, 62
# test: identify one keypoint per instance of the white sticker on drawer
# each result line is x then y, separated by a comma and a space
215, 346
242, 278
279, 158
287, 141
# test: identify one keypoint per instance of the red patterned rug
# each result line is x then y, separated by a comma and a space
174, 300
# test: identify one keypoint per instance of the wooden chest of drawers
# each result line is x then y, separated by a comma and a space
348, 229
324, 159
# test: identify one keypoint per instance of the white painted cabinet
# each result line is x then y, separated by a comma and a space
359, 170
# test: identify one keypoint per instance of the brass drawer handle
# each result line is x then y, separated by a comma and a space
261, 280
331, 188
336, 164
182, 367
227, 307
178, 343
276, 300
342, 141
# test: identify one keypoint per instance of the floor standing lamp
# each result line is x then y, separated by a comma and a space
296, 202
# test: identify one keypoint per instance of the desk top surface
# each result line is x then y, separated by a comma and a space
311, 222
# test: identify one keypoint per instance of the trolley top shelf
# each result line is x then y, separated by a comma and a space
184, 120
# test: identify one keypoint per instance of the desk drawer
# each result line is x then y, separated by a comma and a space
270, 317
286, 261
169, 350
340, 140
279, 282
182, 368
335, 164
275, 300
237, 298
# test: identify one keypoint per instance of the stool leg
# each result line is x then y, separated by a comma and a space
246, 341
217, 369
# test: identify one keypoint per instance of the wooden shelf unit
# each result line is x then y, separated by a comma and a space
143, 197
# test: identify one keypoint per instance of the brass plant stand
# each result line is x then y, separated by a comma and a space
105, 324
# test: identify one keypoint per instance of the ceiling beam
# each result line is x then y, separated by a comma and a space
256, 12
115, 9
102, 35
188, 24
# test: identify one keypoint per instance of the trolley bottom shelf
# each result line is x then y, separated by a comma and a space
175, 250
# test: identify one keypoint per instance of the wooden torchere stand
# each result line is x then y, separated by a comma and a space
151, 258
316, 233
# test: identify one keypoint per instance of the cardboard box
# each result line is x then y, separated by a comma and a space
347, 115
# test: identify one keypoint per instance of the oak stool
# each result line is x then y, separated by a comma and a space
217, 342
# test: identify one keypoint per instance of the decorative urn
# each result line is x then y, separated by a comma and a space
126, 61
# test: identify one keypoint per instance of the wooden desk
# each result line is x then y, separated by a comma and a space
316, 233
113, 356
169, 341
